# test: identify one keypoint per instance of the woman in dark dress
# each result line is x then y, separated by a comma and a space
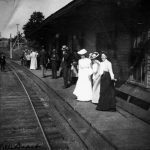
107, 100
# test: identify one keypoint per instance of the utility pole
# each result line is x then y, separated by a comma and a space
10, 47
18, 34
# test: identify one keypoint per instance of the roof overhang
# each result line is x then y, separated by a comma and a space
67, 10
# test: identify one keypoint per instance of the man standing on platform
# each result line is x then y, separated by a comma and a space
54, 62
43, 61
2, 62
66, 65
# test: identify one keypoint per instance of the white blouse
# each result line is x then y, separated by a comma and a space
96, 68
107, 66
84, 66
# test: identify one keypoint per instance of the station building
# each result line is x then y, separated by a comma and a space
120, 27
4, 45
4, 42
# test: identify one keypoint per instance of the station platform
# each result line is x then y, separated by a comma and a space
122, 129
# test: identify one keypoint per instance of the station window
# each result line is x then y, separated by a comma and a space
138, 60
138, 72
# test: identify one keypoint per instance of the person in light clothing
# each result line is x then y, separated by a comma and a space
95, 77
33, 63
107, 100
83, 88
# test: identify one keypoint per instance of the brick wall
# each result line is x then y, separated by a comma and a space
123, 51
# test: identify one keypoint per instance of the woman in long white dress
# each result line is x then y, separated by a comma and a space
95, 77
33, 63
83, 89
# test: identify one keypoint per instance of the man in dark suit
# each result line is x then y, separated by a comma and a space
43, 60
66, 65
2, 62
54, 62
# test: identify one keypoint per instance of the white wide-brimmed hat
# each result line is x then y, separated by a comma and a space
93, 55
64, 47
82, 52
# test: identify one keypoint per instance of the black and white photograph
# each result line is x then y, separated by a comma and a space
74, 75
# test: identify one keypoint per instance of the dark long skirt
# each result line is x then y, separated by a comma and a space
107, 101
54, 69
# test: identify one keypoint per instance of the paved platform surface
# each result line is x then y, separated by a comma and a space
122, 129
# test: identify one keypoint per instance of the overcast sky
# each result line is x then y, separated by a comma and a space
14, 12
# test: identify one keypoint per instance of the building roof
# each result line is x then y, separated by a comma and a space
66, 10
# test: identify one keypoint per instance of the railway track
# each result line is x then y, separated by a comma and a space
19, 126
57, 125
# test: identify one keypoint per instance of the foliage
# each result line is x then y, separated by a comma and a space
33, 44
20, 37
34, 22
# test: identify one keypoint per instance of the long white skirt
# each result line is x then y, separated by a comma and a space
83, 89
96, 90
33, 63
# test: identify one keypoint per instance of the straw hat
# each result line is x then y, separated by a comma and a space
93, 55
64, 47
82, 52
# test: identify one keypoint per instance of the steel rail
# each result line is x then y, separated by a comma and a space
37, 118
111, 144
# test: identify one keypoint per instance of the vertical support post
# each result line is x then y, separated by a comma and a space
18, 35
10, 47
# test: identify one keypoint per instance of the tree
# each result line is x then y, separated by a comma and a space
20, 37
34, 22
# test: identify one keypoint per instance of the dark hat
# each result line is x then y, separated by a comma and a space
104, 52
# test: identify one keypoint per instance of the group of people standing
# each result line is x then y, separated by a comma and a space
29, 58
95, 81
33, 60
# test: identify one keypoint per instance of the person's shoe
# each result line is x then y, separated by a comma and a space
101, 109
64, 87
112, 110
94, 103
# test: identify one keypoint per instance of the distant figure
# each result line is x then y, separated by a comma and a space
22, 58
54, 63
2, 62
27, 55
66, 66
33, 63
74, 68
74, 71
43, 60
83, 89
